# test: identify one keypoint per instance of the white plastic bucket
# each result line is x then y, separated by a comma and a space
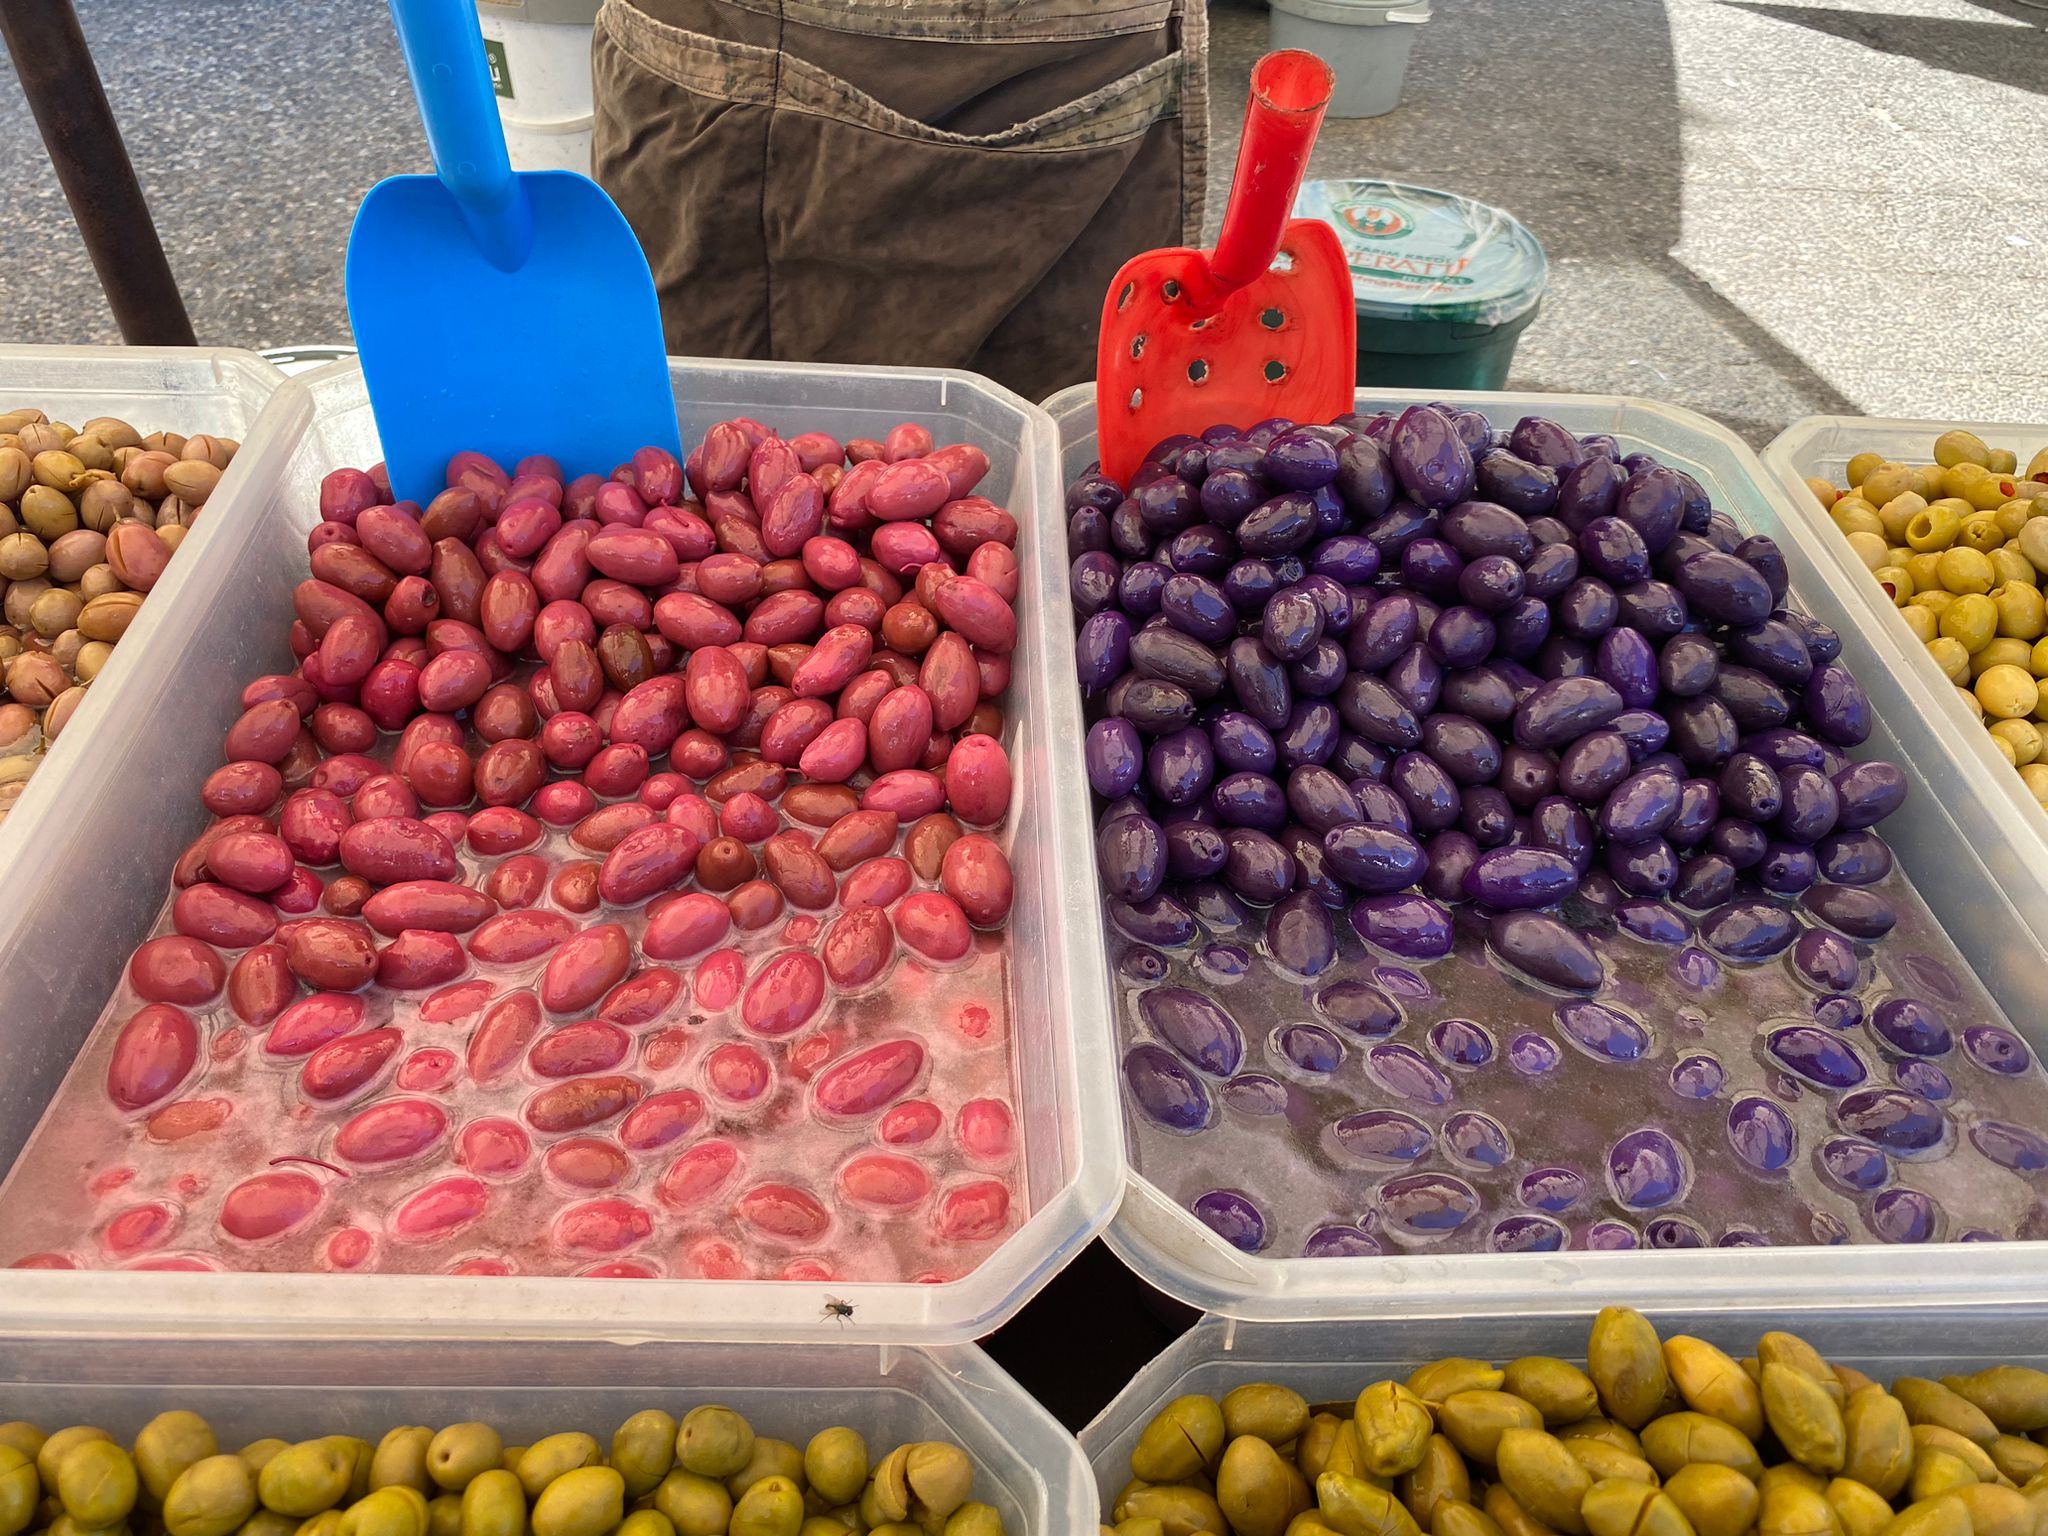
1366, 42
539, 54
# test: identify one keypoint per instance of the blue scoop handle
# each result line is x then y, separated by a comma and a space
444, 54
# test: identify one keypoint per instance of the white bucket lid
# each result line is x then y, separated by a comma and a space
1419, 254
1357, 13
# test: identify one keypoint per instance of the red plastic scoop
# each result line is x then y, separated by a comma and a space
1262, 326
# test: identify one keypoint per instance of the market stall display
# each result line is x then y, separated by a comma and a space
1441, 1071
1632, 1425
750, 1090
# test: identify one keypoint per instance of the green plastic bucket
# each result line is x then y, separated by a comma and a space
1444, 285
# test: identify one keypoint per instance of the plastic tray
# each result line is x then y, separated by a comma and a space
174, 389
1331, 1362
1988, 889
1025, 1463
1995, 811
104, 868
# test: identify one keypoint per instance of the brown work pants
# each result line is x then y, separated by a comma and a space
943, 182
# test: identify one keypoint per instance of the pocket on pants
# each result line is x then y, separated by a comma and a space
790, 214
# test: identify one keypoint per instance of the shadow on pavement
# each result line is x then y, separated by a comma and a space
1987, 50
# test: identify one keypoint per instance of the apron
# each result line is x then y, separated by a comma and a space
950, 183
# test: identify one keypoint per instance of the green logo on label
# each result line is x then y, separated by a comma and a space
1374, 221
501, 75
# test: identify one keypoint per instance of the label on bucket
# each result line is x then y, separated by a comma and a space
1419, 254
501, 73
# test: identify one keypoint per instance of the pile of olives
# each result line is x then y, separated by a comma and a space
1961, 545
89, 518
709, 1475
1654, 1437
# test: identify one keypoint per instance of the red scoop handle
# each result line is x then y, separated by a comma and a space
1289, 92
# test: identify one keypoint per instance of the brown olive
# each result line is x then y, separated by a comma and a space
23, 557
104, 503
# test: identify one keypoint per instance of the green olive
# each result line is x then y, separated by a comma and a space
1318, 1439
361, 1453
973, 1520
1932, 1517
1351, 1506
1932, 1437
401, 1460
1966, 570
1789, 1472
1257, 1489
2012, 569
260, 1453
2033, 543
1791, 1510
1930, 1402
97, 1484
53, 1451
1394, 1426
1971, 619
1878, 1442
1922, 622
1960, 447
2013, 1397
772, 1507
835, 1464
2017, 1458
939, 1476
1557, 1389
1475, 1421
20, 1435
695, 1506
1996, 1511
551, 1456
1950, 655
268, 1522
444, 1514
64, 1525
1679, 1439
1853, 515
648, 1522
1982, 532
167, 1445
1275, 1414
394, 1510
1898, 513
211, 1497
461, 1452
584, 1501
1717, 1500
1863, 465
1711, 1382
771, 1458
1936, 1473
20, 1491
326, 1523
643, 1449
1869, 548
1455, 1519
1861, 1510
2008, 692
2000, 653
714, 1442
1510, 1517
1545, 1478
1897, 583
1625, 1358
1934, 529
1440, 1378
1347, 1453
493, 1504
1631, 1509
1607, 1431
1440, 1475
306, 1478
1184, 1437
1606, 1461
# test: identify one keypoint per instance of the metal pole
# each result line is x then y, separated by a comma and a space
70, 106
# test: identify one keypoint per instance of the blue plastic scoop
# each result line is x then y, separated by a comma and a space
509, 313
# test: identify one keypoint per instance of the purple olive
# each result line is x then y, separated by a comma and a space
1242, 744
1486, 815
1613, 550
1194, 850
1364, 478
1748, 930
1547, 950
1527, 775
1371, 709
1646, 1170
1763, 554
1812, 804
1310, 735
1522, 629
1558, 824
1165, 1090
1648, 868
1473, 427
1356, 758
1279, 526
1652, 921
1451, 856
1640, 807
1312, 873
1359, 1007
1555, 1190
1131, 853
1822, 643
1491, 583
1167, 654
1738, 840
1726, 588
1382, 807
1480, 693
1180, 766
1703, 733
1230, 493
1320, 800
2011, 1146
1997, 1050
1860, 913
1787, 869
1687, 665
1682, 548
1869, 793
1479, 528
1383, 1136
1256, 866
1249, 800
1894, 1120
1300, 937
1755, 702
1349, 558
1321, 672
1376, 860
1910, 1025
1157, 708
1292, 624
1704, 881
1776, 649
1462, 747
1410, 926
1462, 637
1161, 920
1533, 1055
1389, 627
1652, 501
1589, 769
1644, 730
1553, 568
1509, 879
1587, 609
1431, 461
1115, 757
1655, 607
1166, 505
1196, 606
1761, 1133
1088, 532
1102, 649
1300, 461
1205, 550
1399, 526
1699, 807
1473, 1139
1540, 440
1249, 583
1258, 680
1588, 491
1784, 749
1722, 533
1564, 710
1432, 567
1854, 858
1093, 582
1232, 1216
1430, 793
1697, 1076
1515, 483
1562, 656
1128, 535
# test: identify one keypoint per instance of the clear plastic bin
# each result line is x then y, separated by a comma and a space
1985, 883
1331, 1362
104, 867
1025, 1464
1994, 811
